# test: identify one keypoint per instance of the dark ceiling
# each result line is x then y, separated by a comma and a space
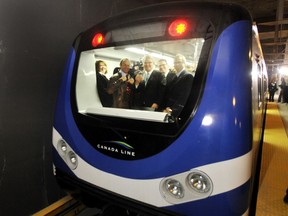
271, 16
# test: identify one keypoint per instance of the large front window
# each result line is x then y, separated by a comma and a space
107, 86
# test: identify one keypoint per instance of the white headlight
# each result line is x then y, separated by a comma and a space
67, 154
62, 147
72, 160
199, 182
186, 187
174, 188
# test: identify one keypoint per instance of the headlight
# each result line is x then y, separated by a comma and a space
62, 147
199, 182
67, 154
72, 160
174, 188
186, 187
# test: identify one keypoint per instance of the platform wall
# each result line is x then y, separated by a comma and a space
35, 39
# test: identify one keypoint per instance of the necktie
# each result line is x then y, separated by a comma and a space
147, 78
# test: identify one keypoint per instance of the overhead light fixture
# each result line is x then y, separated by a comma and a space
137, 50
154, 54
283, 70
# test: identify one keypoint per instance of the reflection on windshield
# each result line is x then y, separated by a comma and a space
150, 81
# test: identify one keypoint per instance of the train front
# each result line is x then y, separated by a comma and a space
197, 162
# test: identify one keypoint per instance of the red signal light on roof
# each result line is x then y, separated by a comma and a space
97, 40
178, 28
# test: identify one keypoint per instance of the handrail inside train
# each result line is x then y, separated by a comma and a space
131, 114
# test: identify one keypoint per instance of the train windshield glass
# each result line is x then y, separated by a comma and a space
115, 81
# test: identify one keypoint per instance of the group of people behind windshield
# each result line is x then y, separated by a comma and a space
161, 90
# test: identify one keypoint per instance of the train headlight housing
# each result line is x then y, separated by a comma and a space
67, 154
72, 160
199, 182
62, 147
186, 187
174, 188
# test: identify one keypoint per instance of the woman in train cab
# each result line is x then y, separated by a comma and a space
181, 88
102, 83
137, 91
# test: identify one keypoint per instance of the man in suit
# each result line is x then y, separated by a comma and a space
181, 88
120, 85
155, 83
170, 78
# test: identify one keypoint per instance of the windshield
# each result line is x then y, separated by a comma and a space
148, 82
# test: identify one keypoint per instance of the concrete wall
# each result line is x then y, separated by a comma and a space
35, 39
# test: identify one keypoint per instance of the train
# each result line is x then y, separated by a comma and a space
204, 160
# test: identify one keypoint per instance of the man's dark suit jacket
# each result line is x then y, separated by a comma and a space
154, 89
179, 93
170, 79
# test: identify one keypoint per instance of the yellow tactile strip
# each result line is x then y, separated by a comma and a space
274, 170
66, 206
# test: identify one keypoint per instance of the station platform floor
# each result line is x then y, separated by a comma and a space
274, 166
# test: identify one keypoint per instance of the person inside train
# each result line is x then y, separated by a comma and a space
102, 83
120, 85
272, 87
170, 78
180, 89
137, 66
155, 84
116, 70
137, 91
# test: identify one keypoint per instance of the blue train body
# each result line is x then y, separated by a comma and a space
220, 139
